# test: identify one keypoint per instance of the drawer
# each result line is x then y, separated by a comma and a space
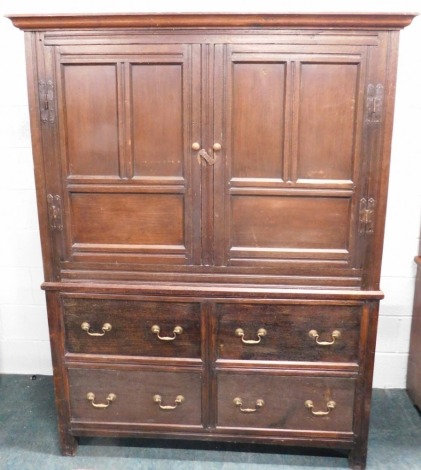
258, 400
128, 327
132, 396
282, 332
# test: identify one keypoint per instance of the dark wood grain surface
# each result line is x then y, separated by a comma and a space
284, 402
134, 396
287, 337
131, 327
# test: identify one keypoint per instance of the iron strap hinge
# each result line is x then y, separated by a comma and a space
54, 212
374, 103
367, 207
46, 101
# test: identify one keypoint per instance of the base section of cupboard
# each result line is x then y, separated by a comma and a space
287, 370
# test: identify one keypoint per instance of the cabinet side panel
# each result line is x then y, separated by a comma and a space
61, 385
382, 71
34, 60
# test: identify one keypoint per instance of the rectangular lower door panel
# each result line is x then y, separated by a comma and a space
283, 223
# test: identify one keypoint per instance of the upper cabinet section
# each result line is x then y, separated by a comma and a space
213, 148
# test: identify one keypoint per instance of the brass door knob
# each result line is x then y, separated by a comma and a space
195, 146
217, 147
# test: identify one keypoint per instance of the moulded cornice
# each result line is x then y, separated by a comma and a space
213, 20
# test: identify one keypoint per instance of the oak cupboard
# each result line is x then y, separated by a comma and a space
211, 194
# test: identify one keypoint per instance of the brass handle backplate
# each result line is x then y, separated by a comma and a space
315, 335
179, 399
105, 328
238, 402
176, 331
330, 405
260, 333
91, 397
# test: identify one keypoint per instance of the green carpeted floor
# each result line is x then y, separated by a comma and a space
28, 440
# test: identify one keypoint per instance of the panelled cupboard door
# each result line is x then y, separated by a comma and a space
291, 174
126, 122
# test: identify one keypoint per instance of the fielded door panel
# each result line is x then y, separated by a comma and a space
291, 178
128, 118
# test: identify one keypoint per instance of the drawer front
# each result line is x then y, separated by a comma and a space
288, 332
135, 396
127, 327
264, 401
